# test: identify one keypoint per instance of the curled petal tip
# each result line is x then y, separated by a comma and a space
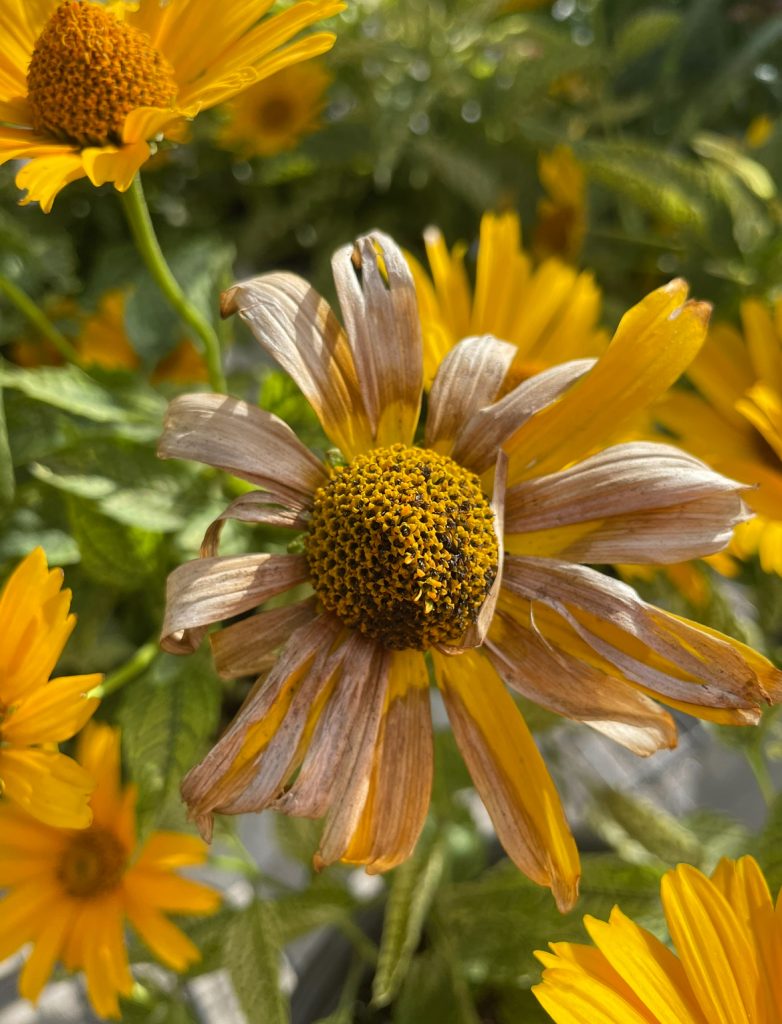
228, 303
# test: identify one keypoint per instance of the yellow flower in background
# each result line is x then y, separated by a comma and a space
274, 115
735, 422
463, 559
70, 892
759, 131
36, 712
102, 340
549, 311
724, 967
561, 213
85, 87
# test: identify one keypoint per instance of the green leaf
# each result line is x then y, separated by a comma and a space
124, 558
769, 851
252, 955
644, 32
429, 995
620, 816
7, 484
413, 889
324, 902
167, 716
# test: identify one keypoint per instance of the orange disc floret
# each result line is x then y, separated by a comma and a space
88, 70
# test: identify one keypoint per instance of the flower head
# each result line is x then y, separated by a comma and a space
549, 310
275, 114
69, 892
735, 422
86, 86
37, 713
466, 555
727, 948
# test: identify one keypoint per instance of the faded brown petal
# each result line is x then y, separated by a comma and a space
254, 507
638, 503
298, 329
670, 656
486, 430
468, 378
558, 682
207, 590
249, 646
241, 439
251, 762
377, 299
401, 783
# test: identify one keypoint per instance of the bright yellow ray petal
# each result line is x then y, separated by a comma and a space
52, 713
48, 785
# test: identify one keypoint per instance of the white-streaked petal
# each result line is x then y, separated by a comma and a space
469, 377
248, 647
207, 590
476, 443
298, 329
557, 681
241, 439
638, 502
378, 303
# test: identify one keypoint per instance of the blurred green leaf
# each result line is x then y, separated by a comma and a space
167, 716
324, 902
7, 484
252, 955
769, 847
124, 558
428, 995
643, 32
413, 888
620, 815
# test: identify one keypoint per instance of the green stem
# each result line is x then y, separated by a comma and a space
137, 213
38, 319
132, 668
760, 770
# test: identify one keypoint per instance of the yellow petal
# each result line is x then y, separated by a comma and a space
49, 786
53, 713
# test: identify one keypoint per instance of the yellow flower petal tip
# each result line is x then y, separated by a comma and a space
69, 892
36, 712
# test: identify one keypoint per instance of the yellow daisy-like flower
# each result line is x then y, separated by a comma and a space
69, 892
37, 713
413, 567
548, 311
735, 423
85, 86
274, 115
724, 969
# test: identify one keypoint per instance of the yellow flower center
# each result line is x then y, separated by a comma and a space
93, 863
402, 547
275, 114
89, 70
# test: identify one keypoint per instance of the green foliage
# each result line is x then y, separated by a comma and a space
252, 955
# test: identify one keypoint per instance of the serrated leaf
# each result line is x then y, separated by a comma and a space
118, 556
252, 956
167, 716
644, 32
413, 889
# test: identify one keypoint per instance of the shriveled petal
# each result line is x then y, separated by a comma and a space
654, 343
241, 439
714, 952
249, 647
509, 774
638, 503
396, 806
298, 329
254, 507
476, 443
561, 683
469, 377
251, 762
377, 299
206, 590
675, 659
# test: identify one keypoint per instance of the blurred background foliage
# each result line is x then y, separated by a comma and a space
435, 112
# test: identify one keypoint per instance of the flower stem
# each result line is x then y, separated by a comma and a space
137, 213
762, 775
132, 668
38, 319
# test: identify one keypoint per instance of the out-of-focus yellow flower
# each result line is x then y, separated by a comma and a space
561, 214
85, 87
103, 341
759, 131
69, 892
275, 114
724, 966
549, 311
735, 422
37, 713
